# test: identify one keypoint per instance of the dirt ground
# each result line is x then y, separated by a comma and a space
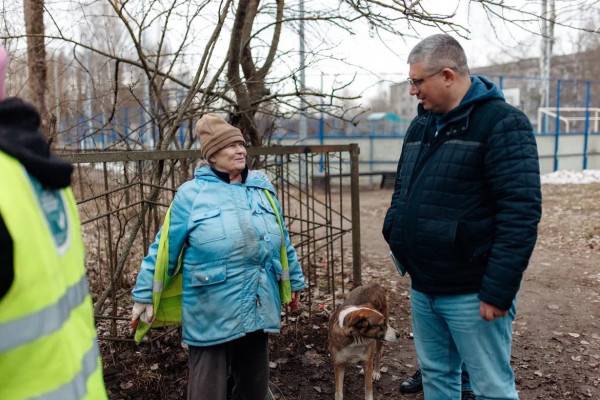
556, 346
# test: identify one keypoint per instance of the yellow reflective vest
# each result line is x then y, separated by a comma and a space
48, 347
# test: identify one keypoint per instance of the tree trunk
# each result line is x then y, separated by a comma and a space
36, 62
250, 90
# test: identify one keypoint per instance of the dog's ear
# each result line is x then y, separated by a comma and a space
357, 320
351, 319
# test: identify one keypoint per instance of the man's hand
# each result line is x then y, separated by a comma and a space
145, 312
490, 312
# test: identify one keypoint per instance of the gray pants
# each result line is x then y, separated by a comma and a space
236, 370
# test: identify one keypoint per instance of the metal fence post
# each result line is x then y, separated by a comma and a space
586, 132
371, 156
557, 126
355, 204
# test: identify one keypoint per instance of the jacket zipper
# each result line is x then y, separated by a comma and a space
416, 175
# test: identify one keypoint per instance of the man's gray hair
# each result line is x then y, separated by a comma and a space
439, 51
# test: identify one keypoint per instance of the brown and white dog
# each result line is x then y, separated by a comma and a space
356, 332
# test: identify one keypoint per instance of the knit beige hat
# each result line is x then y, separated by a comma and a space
215, 133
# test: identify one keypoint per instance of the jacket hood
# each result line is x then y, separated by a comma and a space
482, 89
256, 178
21, 138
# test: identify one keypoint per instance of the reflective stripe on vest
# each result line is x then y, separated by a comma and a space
44, 322
48, 347
77, 387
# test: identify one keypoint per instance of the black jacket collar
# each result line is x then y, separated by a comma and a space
20, 137
457, 120
224, 176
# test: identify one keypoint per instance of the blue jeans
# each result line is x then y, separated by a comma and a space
448, 331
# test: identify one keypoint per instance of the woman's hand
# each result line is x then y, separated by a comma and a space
295, 303
145, 312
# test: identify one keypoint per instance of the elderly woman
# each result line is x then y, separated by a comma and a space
231, 266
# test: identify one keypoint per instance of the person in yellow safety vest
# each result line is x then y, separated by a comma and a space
224, 230
48, 347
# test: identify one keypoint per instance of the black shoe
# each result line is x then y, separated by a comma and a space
467, 395
414, 384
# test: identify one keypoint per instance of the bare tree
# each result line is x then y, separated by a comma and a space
33, 11
240, 68
241, 84
252, 89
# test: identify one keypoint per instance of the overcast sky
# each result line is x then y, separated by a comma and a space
374, 60
491, 40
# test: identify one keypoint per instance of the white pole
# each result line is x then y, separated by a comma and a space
302, 128
89, 106
549, 45
548, 15
543, 55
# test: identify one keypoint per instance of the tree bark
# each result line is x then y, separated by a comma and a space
36, 62
250, 90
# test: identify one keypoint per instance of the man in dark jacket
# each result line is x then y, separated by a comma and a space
463, 221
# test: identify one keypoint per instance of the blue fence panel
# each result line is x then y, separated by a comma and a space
573, 112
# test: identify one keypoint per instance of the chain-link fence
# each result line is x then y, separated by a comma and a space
122, 197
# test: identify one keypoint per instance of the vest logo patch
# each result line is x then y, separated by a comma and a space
53, 206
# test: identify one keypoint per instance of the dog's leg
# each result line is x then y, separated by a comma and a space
377, 361
369, 377
339, 370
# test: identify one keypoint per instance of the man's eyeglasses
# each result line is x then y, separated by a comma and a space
418, 82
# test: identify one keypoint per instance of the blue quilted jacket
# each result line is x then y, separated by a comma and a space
231, 262
467, 198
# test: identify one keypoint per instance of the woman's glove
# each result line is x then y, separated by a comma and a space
145, 312
295, 303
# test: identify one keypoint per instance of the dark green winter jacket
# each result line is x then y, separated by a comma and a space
467, 198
